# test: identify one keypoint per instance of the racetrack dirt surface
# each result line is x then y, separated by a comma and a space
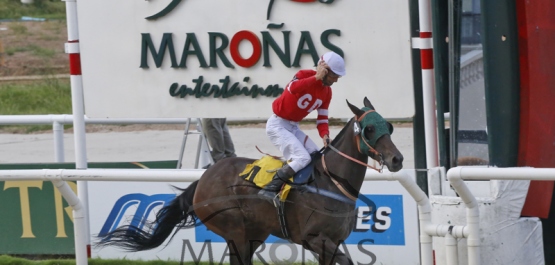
135, 143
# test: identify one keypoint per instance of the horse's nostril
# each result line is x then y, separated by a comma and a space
397, 160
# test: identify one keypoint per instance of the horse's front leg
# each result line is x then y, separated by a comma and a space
327, 249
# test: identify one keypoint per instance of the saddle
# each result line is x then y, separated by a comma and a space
261, 172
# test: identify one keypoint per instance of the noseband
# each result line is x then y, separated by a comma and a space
361, 141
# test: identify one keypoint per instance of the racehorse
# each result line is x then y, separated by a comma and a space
228, 205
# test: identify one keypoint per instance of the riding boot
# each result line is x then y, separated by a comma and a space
270, 191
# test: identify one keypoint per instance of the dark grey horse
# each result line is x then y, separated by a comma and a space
228, 205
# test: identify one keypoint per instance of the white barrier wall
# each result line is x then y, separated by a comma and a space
190, 61
490, 211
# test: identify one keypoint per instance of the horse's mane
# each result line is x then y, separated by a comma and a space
333, 142
341, 133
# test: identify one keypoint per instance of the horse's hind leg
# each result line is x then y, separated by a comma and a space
328, 251
243, 244
255, 239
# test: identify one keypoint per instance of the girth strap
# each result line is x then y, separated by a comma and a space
281, 217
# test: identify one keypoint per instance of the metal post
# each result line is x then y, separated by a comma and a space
451, 249
204, 157
82, 247
502, 80
427, 62
183, 143
58, 131
455, 11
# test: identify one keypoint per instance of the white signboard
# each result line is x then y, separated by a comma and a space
218, 58
383, 230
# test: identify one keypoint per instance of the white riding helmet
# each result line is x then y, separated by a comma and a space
335, 62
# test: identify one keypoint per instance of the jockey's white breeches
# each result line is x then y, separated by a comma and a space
293, 143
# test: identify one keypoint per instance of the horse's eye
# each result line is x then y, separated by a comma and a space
370, 129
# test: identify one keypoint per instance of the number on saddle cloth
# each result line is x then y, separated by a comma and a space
261, 171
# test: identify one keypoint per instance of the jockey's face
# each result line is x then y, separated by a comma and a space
330, 78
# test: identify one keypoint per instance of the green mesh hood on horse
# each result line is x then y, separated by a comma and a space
380, 128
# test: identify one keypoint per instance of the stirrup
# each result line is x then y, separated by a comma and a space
274, 199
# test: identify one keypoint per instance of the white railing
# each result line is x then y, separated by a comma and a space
80, 221
456, 177
427, 228
59, 176
80, 206
59, 120
472, 67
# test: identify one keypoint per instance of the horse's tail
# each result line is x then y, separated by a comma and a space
178, 213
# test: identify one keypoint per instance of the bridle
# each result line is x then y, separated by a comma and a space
358, 139
375, 153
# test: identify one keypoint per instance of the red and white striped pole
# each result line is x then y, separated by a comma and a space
80, 217
425, 44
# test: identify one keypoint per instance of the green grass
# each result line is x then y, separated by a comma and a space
42, 52
49, 96
8, 260
49, 9
36, 50
18, 28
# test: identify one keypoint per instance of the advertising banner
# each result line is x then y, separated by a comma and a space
214, 58
35, 217
386, 225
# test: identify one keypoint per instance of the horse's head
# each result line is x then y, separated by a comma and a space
374, 136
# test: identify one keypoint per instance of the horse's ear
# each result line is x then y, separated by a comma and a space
368, 104
390, 127
358, 112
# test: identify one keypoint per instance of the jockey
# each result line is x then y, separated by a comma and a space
309, 90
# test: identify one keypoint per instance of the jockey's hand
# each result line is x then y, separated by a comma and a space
321, 70
326, 140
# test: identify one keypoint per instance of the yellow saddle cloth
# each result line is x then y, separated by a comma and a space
261, 172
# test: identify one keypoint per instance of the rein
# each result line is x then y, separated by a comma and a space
346, 190
356, 160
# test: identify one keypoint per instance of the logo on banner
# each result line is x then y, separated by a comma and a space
142, 205
155, 50
174, 4
380, 221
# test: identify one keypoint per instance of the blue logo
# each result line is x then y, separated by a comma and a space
144, 203
380, 221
